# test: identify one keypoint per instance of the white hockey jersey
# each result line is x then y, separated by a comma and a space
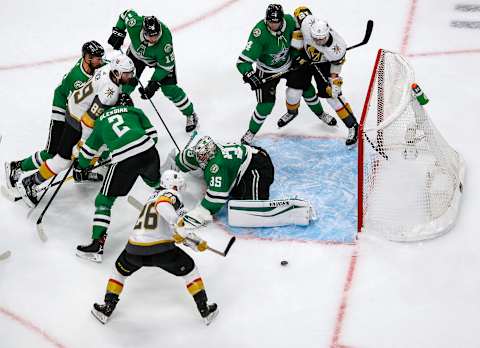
155, 223
88, 102
334, 52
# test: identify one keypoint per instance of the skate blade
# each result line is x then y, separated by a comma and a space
211, 317
99, 316
89, 256
10, 194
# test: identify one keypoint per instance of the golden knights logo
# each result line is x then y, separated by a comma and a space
313, 53
280, 56
109, 92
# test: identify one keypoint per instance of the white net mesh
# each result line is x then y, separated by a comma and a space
412, 178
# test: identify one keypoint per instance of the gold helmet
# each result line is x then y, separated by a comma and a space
300, 13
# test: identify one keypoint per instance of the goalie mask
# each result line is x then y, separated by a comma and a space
172, 180
204, 151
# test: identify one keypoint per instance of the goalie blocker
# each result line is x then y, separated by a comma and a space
270, 213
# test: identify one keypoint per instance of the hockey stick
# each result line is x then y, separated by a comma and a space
379, 151
366, 38
40, 229
5, 255
137, 205
41, 233
161, 119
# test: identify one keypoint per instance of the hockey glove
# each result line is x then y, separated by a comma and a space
299, 62
84, 174
117, 37
195, 242
335, 87
252, 79
149, 91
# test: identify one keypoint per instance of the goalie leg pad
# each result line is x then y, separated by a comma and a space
269, 213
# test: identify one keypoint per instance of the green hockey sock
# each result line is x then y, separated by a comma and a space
101, 220
259, 116
312, 100
177, 96
35, 161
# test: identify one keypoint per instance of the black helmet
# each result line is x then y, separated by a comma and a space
124, 100
93, 48
274, 13
151, 26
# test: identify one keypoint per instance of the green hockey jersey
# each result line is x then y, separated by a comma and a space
125, 130
159, 55
268, 50
71, 81
221, 173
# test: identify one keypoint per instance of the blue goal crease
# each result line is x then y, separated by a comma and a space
320, 170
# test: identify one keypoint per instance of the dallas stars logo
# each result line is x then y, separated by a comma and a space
280, 56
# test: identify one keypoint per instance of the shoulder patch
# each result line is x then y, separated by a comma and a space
297, 35
77, 84
168, 48
214, 168
256, 32
131, 22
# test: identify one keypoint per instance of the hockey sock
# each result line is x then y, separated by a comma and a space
312, 100
34, 161
101, 219
177, 96
194, 282
346, 115
115, 283
259, 116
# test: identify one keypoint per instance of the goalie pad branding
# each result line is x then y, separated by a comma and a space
269, 213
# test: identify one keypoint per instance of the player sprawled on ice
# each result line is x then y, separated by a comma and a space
92, 58
320, 52
84, 106
152, 244
238, 173
151, 45
268, 47
131, 139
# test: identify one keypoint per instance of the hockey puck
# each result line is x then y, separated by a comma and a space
284, 262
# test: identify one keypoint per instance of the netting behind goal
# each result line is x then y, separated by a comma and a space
409, 178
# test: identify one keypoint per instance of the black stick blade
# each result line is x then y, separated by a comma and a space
229, 245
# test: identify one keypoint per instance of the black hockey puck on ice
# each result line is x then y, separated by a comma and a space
284, 262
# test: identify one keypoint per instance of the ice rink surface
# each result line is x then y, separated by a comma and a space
372, 293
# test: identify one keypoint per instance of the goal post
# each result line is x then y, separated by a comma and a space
410, 179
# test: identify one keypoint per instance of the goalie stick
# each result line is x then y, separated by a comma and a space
5, 255
137, 205
366, 38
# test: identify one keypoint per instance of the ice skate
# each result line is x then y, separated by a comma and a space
192, 122
92, 251
247, 138
352, 135
27, 189
328, 119
287, 118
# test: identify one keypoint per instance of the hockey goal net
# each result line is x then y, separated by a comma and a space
409, 178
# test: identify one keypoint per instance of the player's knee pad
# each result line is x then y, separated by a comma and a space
264, 108
293, 95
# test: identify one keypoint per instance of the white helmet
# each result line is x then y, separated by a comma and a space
172, 180
204, 150
122, 64
320, 30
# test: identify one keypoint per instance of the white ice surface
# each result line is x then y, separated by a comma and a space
400, 295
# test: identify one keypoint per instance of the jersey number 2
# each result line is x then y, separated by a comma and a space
117, 126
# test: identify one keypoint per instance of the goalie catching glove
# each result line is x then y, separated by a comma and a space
335, 87
190, 240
